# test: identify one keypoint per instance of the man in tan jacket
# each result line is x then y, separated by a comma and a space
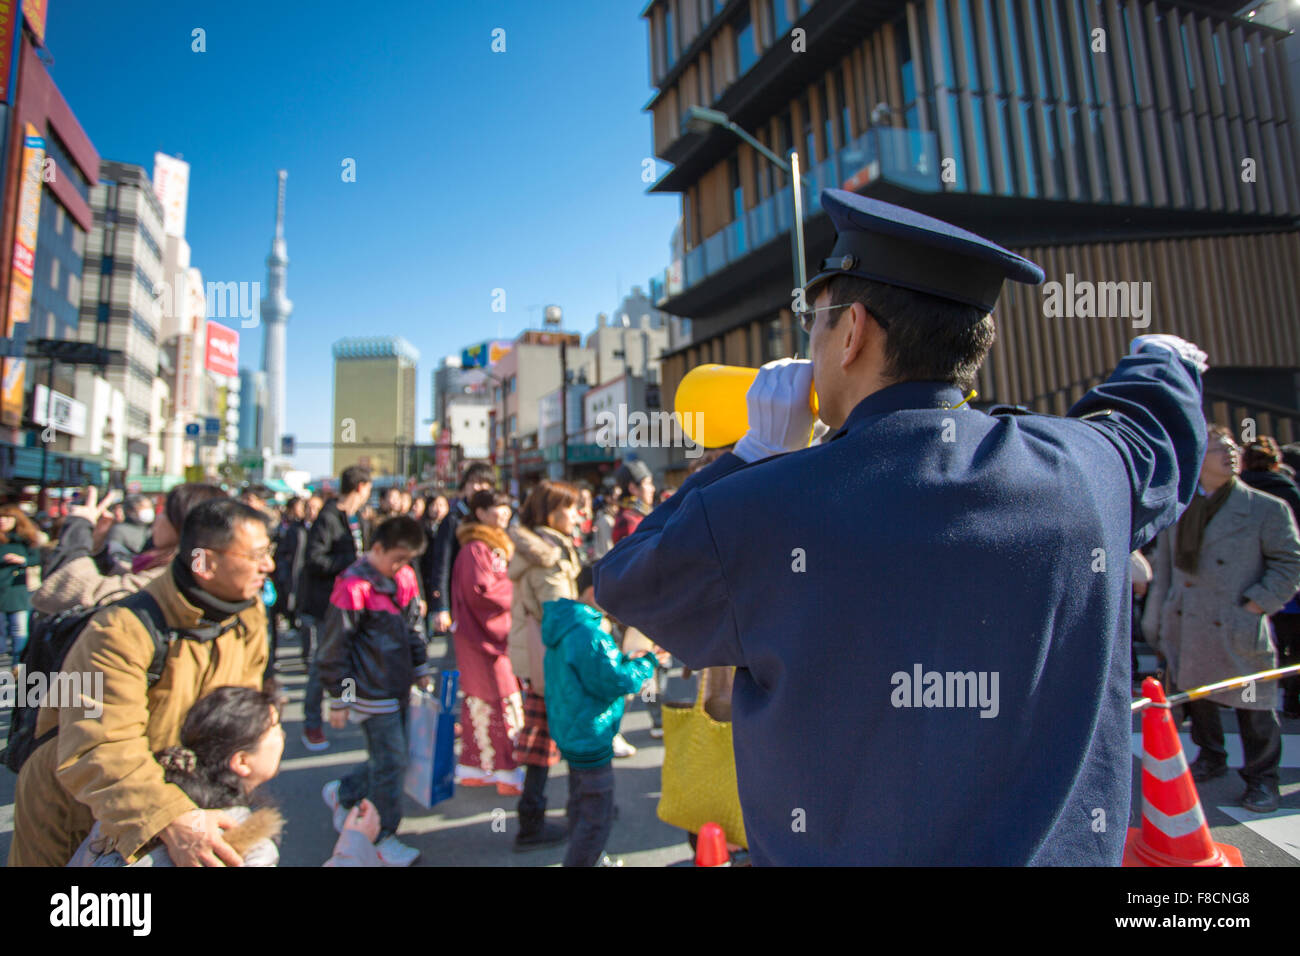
103, 768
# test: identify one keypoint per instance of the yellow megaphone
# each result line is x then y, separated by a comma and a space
710, 404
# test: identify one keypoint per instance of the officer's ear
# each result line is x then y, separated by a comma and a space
861, 329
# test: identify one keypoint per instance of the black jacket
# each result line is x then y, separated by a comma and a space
437, 586
330, 550
290, 558
1276, 484
370, 638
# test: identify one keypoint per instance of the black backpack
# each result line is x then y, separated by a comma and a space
51, 639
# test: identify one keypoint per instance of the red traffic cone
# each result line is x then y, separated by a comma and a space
711, 847
1174, 831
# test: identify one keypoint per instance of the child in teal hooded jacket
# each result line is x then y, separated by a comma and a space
587, 677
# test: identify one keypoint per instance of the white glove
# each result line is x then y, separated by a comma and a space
779, 417
1172, 343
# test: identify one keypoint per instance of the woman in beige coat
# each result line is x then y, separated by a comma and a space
543, 568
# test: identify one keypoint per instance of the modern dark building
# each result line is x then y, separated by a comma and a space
64, 222
1112, 141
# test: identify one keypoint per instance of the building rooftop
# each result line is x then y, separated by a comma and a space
377, 346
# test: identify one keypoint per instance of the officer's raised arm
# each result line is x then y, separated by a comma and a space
1150, 409
666, 578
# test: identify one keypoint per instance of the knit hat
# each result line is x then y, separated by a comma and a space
631, 472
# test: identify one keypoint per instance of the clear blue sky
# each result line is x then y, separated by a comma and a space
474, 170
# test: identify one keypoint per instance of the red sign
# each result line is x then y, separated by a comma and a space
7, 16
222, 355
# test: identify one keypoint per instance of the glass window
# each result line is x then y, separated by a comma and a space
743, 29
1054, 153
972, 78
828, 119
780, 22
78, 240
983, 179
737, 189
1002, 118
954, 140
1027, 136
905, 66
805, 6
846, 124
1218, 57
1103, 168
1036, 28
59, 218
1132, 63
670, 37
74, 288
1081, 7
808, 138
1187, 59
1016, 74
993, 46
1064, 54
944, 73
54, 272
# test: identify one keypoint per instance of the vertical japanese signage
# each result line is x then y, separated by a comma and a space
20, 273
171, 183
8, 28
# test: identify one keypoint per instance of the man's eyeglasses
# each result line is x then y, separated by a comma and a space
807, 317
257, 557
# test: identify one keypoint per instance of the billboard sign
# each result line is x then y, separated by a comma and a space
171, 183
65, 413
20, 273
483, 355
222, 355
34, 11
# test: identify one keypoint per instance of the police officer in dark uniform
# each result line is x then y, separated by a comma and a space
932, 641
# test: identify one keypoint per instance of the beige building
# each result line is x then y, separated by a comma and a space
374, 403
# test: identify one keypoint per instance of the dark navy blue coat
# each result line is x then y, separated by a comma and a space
932, 540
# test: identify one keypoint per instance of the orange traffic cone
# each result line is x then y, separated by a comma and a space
711, 847
1174, 831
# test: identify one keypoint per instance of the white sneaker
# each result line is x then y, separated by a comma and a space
622, 748
330, 794
393, 852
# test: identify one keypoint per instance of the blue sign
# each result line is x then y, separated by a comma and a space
192, 430
212, 426
287, 446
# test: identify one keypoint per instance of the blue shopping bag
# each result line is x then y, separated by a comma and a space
431, 750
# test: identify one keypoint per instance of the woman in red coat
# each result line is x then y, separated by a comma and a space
492, 712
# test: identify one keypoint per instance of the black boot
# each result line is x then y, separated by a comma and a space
535, 832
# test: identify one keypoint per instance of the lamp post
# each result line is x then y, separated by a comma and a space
701, 120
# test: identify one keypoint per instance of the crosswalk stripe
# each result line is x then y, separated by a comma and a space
1281, 828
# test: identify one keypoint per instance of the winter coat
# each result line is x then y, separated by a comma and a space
71, 576
254, 838
101, 767
446, 547
124, 541
629, 517
331, 550
14, 595
480, 611
1276, 484
370, 637
290, 559
425, 565
1250, 551
602, 538
544, 568
587, 677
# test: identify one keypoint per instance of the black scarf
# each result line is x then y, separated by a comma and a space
216, 612
1191, 526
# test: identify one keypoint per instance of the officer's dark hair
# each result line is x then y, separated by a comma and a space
213, 524
477, 472
927, 339
399, 531
353, 478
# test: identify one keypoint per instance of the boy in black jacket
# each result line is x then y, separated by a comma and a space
333, 543
371, 653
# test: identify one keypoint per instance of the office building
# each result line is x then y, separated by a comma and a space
1149, 146
374, 403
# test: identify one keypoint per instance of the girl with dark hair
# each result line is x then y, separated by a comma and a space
544, 568
492, 712
71, 576
231, 744
19, 550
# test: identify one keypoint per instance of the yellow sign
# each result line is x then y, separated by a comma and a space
20, 273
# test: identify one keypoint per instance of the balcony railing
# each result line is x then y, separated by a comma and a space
904, 157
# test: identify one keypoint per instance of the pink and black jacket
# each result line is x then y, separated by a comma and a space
370, 636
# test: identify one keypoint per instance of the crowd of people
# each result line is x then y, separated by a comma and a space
169, 772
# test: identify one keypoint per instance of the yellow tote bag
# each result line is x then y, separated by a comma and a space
699, 772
